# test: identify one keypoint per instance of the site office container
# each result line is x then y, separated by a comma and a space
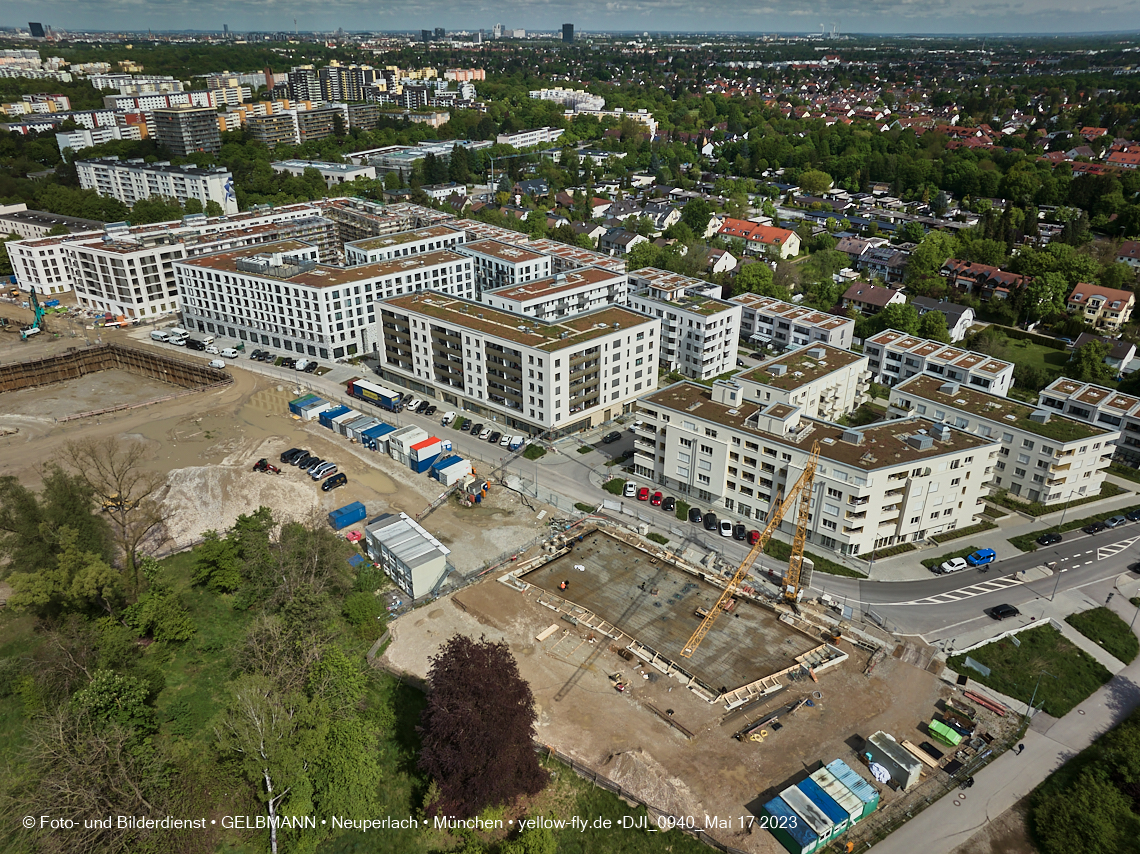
452, 470
840, 794
348, 428
424, 453
376, 438
859, 786
311, 410
837, 814
816, 818
340, 421
347, 515
296, 404
400, 442
791, 830
356, 428
326, 417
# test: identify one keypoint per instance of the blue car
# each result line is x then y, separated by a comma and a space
981, 557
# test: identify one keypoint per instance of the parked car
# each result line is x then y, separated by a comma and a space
757, 355
314, 465
1133, 515
291, 454
333, 482
643, 494
213, 350
1094, 528
1000, 612
695, 515
431, 410
413, 404
630, 489
657, 499
304, 462
711, 522
1068, 342
1115, 522
495, 437
324, 471
423, 407
1049, 539
311, 367
725, 528
611, 437
505, 442
753, 537
476, 429
739, 532
217, 363
485, 433
954, 565
669, 504
447, 419
981, 557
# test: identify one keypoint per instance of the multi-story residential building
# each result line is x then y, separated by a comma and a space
346, 82
373, 250
895, 356
762, 239
982, 280
570, 98
132, 180
822, 382
321, 121
332, 173
498, 264
186, 130
1101, 407
158, 101
875, 486
560, 377
564, 257
17, 219
766, 320
525, 138
135, 84
273, 129
72, 141
304, 84
1104, 308
363, 116
699, 331
561, 295
1129, 253
324, 310
1044, 457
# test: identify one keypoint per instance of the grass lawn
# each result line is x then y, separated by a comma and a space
614, 486
585, 449
683, 510
1029, 353
932, 562
782, 551
1015, 669
1104, 627
533, 452
969, 531
1135, 600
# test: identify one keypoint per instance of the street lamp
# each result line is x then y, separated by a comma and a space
1029, 710
1065, 509
1057, 583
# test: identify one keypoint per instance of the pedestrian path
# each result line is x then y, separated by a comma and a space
1113, 664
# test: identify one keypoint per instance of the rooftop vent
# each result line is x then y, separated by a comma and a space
941, 432
1040, 416
852, 437
815, 353
777, 370
922, 443
948, 388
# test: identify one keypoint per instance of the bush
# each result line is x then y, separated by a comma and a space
963, 532
585, 449
533, 452
1028, 542
365, 613
657, 538
683, 510
614, 486
1126, 472
891, 551
1036, 508
782, 551
994, 512
932, 562
585, 508
1103, 626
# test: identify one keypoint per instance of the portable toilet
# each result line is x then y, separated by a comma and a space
838, 815
816, 818
376, 438
840, 794
858, 785
422, 454
326, 417
400, 442
791, 830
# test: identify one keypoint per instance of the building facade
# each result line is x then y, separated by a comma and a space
895, 356
187, 130
1098, 406
331, 173
387, 247
499, 265
561, 295
414, 559
1104, 308
766, 320
822, 382
130, 181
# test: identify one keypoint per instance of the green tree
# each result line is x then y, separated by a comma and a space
118, 698
932, 325
900, 316
696, 215
758, 278
1092, 816
160, 614
911, 232
365, 612
533, 840
929, 256
75, 580
217, 563
1087, 364
814, 182
643, 255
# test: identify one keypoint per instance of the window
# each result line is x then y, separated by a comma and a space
915, 520
706, 449
956, 481
1028, 445
831, 509
834, 493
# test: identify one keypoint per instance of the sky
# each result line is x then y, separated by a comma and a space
856, 16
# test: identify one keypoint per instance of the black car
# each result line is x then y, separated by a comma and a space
1133, 516
422, 407
611, 437
255, 355
695, 515
1095, 528
1000, 612
268, 357
495, 437
431, 410
195, 344
739, 532
333, 482
291, 454
757, 355
669, 504
476, 429
309, 368
305, 461
1049, 539
711, 522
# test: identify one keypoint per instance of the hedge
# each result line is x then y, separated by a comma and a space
891, 551
1036, 508
782, 551
1126, 472
963, 532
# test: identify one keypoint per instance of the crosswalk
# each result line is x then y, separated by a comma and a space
979, 589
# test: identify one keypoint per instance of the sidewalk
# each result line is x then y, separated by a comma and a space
1111, 663
1049, 743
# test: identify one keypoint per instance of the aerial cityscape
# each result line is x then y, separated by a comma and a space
619, 427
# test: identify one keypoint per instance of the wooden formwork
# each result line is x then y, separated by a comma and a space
78, 363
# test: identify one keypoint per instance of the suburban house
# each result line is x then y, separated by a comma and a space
720, 261
870, 298
762, 239
959, 318
854, 247
884, 262
618, 241
1120, 352
1129, 253
591, 229
982, 280
1107, 308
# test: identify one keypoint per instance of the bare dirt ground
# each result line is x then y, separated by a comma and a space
618, 734
1007, 834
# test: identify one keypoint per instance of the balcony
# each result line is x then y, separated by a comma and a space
858, 502
1056, 467
886, 522
860, 515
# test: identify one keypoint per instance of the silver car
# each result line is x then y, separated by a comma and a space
324, 471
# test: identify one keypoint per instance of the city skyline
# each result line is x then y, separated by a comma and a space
889, 17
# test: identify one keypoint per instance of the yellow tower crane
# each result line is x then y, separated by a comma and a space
801, 491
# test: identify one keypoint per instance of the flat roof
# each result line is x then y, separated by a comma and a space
585, 257
508, 252
802, 368
519, 328
956, 356
884, 444
1000, 410
385, 241
411, 544
791, 311
321, 165
583, 277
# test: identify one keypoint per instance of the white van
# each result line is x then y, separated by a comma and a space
217, 363
212, 350
159, 336
207, 338
448, 417
177, 332
302, 364
229, 353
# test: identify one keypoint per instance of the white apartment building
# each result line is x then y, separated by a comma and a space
160, 100
698, 331
561, 377
564, 257
130, 181
572, 98
875, 486
895, 356
526, 138
331, 173
279, 295
1101, 407
561, 295
82, 138
129, 270
385, 247
821, 381
1044, 457
498, 264
766, 320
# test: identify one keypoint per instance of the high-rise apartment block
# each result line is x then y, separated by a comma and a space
568, 34
132, 180
187, 130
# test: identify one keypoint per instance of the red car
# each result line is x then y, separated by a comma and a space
643, 494
753, 537
657, 499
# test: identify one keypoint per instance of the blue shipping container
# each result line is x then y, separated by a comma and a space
792, 831
328, 415
825, 802
863, 790
420, 466
347, 515
375, 439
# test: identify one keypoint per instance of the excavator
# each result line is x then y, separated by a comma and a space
801, 491
37, 325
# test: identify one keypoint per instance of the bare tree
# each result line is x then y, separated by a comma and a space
130, 493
